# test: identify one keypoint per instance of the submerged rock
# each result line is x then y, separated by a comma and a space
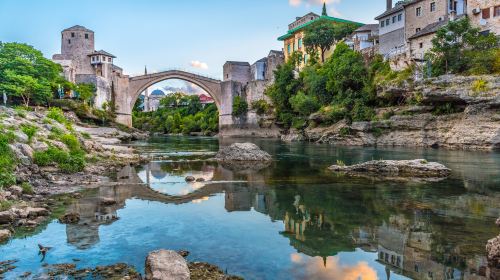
393, 169
206, 271
70, 218
166, 264
242, 152
190, 179
4, 235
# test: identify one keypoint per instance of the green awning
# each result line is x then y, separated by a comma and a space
334, 19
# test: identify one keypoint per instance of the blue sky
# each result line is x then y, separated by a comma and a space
196, 35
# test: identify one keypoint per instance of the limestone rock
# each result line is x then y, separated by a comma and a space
21, 136
26, 150
418, 168
37, 212
16, 190
70, 218
4, 235
493, 250
242, 152
190, 179
166, 265
293, 136
6, 217
39, 146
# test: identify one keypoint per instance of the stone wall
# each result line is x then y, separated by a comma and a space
237, 71
493, 23
417, 50
412, 21
392, 40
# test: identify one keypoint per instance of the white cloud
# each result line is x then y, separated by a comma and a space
199, 64
308, 3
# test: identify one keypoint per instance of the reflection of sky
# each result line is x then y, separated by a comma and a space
173, 184
244, 243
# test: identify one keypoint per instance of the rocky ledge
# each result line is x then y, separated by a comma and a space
239, 152
167, 264
395, 169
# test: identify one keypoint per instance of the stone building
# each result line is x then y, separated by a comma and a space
485, 14
392, 41
365, 37
83, 64
293, 39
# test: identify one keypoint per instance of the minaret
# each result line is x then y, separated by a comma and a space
324, 13
146, 94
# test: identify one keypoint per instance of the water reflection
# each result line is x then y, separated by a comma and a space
291, 218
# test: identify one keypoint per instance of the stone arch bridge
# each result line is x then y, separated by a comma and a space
130, 88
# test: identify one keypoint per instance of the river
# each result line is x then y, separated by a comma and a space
290, 220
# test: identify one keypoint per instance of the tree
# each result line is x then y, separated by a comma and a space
85, 92
459, 47
323, 34
240, 106
25, 73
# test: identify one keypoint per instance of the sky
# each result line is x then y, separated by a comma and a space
193, 35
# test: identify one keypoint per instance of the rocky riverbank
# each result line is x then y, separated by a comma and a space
36, 141
454, 112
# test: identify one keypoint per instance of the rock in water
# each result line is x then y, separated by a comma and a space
418, 168
493, 249
242, 152
190, 179
4, 235
166, 264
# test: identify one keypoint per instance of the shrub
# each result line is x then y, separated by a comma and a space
74, 163
27, 188
479, 85
303, 104
333, 113
340, 162
445, 109
7, 161
344, 131
240, 106
260, 106
387, 115
86, 135
299, 123
71, 142
67, 162
377, 132
57, 115
29, 130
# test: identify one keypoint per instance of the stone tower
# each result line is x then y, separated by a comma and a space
77, 43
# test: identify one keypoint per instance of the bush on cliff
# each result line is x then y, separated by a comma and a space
240, 106
7, 160
458, 47
71, 162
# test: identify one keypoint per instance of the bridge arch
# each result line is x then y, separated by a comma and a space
138, 84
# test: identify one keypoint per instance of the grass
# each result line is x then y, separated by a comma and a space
29, 130
340, 162
7, 160
67, 162
344, 131
27, 188
86, 135
377, 132
479, 85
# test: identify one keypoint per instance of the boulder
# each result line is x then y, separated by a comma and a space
6, 217
4, 235
21, 136
26, 150
190, 179
242, 152
166, 265
39, 146
37, 212
418, 168
70, 218
15, 190
493, 250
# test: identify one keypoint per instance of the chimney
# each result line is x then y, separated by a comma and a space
389, 4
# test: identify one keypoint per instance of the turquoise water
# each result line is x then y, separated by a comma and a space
289, 220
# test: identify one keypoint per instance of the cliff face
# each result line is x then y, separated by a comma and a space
470, 120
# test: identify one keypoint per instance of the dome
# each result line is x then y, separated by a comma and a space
158, 92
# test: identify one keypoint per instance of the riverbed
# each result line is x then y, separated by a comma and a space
291, 219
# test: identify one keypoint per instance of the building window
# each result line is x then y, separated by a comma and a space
418, 11
69, 41
486, 13
387, 21
288, 49
72, 34
300, 43
109, 59
382, 23
421, 45
394, 19
86, 36
496, 11
433, 6
400, 17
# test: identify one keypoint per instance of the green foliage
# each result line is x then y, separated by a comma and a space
240, 106
71, 142
26, 74
179, 113
85, 92
458, 47
340, 162
479, 85
445, 109
261, 106
323, 34
344, 131
7, 161
57, 115
67, 162
86, 135
377, 132
29, 130
27, 188
303, 104
387, 115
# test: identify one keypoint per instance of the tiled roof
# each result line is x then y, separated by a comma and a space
395, 9
334, 19
429, 29
78, 28
101, 52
